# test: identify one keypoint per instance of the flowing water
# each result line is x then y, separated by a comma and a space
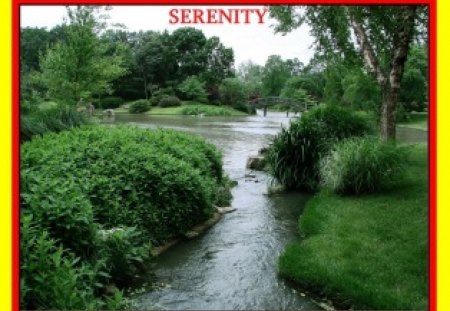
234, 264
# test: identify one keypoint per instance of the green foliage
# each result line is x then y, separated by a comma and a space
79, 66
161, 182
93, 198
139, 106
363, 165
111, 102
169, 101
295, 153
52, 278
275, 74
194, 110
193, 89
124, 253
368, 252
232, 92
160, 94
54, 119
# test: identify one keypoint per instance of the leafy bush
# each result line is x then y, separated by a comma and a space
233, 92
362, 165
54, 119
159, 94
193, 89
161, 182
111, 102
169, 101
52, 278
139, 106
124, 253
295, 153
138, 186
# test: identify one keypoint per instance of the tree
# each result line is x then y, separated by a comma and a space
155, 60
193, 89
78, 66
233, 92
252, 75
383, 35
219, 65
275, 74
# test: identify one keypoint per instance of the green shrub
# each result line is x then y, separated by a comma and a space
161, 182
160, 94
124, 252
59, 206
54, 119
169, 101
295, 153
139, 106
51, 278
193, 89
111, 102
138, 186
362, 165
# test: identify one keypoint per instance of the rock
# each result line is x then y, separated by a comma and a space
256, 162
191, 234
250, 175
226, 210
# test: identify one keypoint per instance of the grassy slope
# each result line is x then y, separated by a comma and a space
417, 120
368, 251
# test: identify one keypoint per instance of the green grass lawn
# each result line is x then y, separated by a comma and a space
367, 251
206, 110
417, 120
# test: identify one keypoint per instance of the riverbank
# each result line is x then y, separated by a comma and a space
191, 108
368, 251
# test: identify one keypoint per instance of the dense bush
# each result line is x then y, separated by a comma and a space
54, 119
124, 253
295, 153
169, 101
362, 165
139, 106
193, 89
97, 197
111, 102
53, 278
132, 177
159, 94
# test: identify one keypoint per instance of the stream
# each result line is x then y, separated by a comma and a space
234, 264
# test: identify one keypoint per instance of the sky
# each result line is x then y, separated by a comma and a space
253, 42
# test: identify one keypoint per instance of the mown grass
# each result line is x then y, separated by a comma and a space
366, 251
416, 120
194, 109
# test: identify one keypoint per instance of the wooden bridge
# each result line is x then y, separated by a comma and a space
295, 105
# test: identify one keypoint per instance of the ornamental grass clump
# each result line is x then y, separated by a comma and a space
295, 153
362, 165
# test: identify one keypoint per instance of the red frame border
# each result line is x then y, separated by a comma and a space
432, 121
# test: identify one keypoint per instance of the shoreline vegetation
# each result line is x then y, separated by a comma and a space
191, 109
368, 251
95, 202
363, 236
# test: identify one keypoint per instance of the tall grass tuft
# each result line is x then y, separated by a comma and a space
295, 153
362, 165
55, 119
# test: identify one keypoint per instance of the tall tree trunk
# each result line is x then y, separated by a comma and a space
387, 126
389, 81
